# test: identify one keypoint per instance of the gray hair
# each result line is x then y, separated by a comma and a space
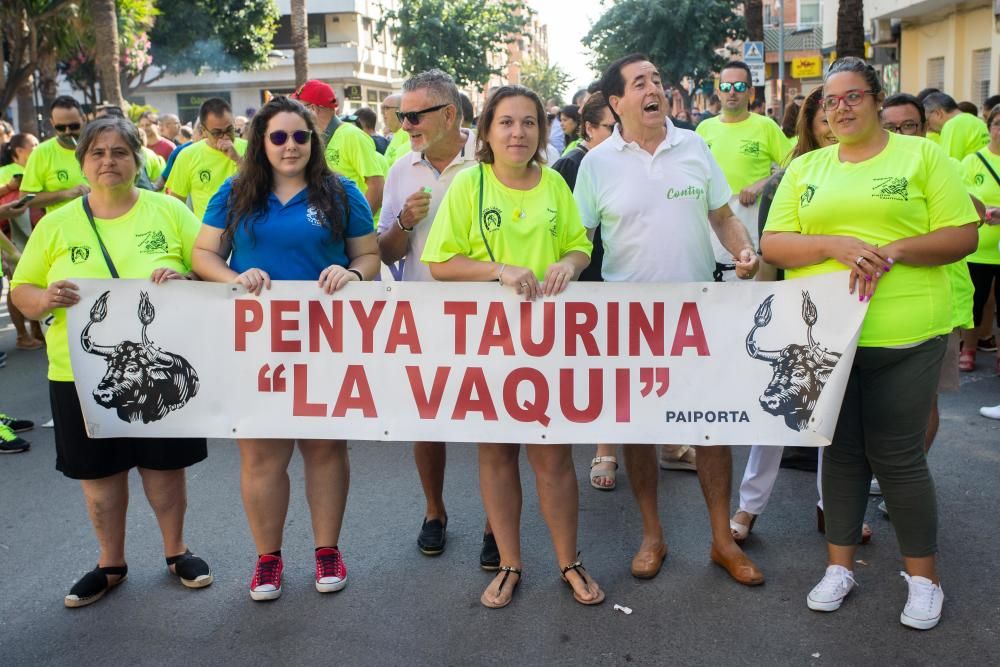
940, 100
124, 128
441, 84
858, 66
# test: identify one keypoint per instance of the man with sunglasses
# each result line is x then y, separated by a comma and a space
201, 168
349, 150
745, 145
53, 174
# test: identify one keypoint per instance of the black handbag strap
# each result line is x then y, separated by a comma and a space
482, 232
988, 167
100, 242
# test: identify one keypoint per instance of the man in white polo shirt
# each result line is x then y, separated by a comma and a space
659, 196
413, 191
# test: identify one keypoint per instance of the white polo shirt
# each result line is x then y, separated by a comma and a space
653, 209
410, 173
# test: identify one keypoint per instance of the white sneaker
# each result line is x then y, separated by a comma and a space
49, 424
830, 592
875, 489
883, 509
923, 604
990, 412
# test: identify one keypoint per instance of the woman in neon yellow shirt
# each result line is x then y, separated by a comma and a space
514, 221
891, 211
70, 243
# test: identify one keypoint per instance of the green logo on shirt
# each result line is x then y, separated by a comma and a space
204, 175
491, 219
79, 254
334, 155
152, 243
690, 192
62, 175
891, 187
750, 147
807, 196
979, 179
553, 226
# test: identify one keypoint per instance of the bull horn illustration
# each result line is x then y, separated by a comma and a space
97, 314
761, 319
146, 315
809, 316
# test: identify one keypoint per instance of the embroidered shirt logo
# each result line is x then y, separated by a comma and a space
204, 176
78, 254
491, 218
980, 179
807, 196
152, 243
690, 192
895, 188
314, 217
333, 156
750, 147
62, 175
553, 225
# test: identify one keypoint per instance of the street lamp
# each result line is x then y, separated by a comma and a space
781, 59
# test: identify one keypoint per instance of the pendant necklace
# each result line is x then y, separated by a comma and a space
519, 213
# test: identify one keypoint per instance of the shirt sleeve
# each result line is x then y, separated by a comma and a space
586, 200
187, 228
363, 155
33, 267
952, 141
719, 193
969, 170
449, 235
778, 144
33, 179
573, 235
359, 222
170, 162
567, 168
179, 181
948, 203
218, 206
784, 213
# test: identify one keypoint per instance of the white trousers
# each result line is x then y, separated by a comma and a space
762, 472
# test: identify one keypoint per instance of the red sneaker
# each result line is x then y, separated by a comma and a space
266, 584
331, 573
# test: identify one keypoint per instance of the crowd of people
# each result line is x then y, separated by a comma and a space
899, 193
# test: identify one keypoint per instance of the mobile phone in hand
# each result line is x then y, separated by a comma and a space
25, 200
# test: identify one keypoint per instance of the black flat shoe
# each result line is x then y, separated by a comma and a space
433, 536
192, 570
92, 586
489, 556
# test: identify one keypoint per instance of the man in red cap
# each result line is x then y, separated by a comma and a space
350, 151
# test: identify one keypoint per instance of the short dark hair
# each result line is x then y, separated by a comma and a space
594, 87
468, 113
942, 101
591, 112
968, 107
110, 110
65, 102
123, 127
857, 66
922, 95
738, 64
215, 106
483, 151
579, 95
612, 83
990, 102
366, 118
993, 114
902, 99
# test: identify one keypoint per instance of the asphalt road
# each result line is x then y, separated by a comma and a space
404, 608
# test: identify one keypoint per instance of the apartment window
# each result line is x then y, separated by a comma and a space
981, 75
935, 73
315, 27
810, 12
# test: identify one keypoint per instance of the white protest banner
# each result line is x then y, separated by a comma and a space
700, 364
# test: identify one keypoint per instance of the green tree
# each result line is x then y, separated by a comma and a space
680, 36
457, 36
549, 81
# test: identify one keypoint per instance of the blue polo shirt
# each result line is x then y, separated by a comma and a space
170, 160
290, 241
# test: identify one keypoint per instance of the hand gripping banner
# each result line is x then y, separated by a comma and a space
697, 364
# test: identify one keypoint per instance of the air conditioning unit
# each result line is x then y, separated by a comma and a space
882, 32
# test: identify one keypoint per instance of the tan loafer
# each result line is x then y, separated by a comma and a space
740, 568
647, 562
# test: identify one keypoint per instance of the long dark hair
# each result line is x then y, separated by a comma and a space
8, 152
803, 127
253, 183
572, 112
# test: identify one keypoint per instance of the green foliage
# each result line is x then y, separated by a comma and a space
457, 36
225, 35
680, 36
135, 111
549, 81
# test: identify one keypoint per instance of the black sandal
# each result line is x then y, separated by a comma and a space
587, 581
192, 570
507, 571
92, 586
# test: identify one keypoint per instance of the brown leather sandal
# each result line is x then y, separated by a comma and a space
587, 581
506, 570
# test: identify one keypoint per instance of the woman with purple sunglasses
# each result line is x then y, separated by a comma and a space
286, 216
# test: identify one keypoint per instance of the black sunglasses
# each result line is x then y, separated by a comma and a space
301, 137
218, 134
68, 127
739, 86
414, 116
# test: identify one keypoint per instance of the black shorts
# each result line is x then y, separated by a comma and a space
80, 457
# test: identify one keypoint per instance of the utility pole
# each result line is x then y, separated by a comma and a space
781, 60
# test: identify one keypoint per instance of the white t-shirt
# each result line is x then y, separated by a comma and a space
411, 173
653, 209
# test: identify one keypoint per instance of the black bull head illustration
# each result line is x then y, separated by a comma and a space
142, 381
800, 371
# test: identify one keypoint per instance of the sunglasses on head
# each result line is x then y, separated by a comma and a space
67, 127
739, 86
280, 137
414, 116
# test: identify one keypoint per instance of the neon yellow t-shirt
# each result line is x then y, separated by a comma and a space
910, 188
351, 153
9, 171
153, 163
984, 187
159, 231
546, 227
933, 136
573, 144
745, 150
398, 147
964, 135
199, 171
52, 168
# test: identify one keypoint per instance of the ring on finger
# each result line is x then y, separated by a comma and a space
859, 260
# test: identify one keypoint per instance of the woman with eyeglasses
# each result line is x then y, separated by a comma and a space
286, 216
514, 221
890, 211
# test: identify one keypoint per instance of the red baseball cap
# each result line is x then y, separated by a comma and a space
317, 93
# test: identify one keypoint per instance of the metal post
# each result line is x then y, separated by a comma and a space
781, 61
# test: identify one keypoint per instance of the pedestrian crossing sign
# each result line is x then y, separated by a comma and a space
753, 51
